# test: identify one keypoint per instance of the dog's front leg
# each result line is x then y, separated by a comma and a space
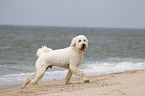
69, 75
78, 72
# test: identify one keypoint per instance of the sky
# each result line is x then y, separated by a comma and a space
74, 13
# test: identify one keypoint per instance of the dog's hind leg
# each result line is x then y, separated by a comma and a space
69, 75
39, 74
26, 81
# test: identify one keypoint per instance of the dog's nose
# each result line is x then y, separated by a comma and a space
84, 45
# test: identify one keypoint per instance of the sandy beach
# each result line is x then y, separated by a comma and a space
130, 83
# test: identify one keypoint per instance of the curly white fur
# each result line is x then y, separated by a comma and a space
69, 58
43, 50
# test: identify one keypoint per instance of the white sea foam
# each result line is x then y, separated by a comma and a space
90, 69
106, 68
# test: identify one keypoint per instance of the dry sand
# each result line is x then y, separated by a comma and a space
131, 83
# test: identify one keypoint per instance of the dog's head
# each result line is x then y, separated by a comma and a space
80, 42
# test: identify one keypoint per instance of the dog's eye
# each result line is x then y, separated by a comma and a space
79, 40
84, 40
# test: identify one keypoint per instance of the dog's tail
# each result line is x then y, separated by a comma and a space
43, 50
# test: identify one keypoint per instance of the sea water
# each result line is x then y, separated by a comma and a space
109, 51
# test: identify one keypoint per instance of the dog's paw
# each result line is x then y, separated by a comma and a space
67, 83
87, 81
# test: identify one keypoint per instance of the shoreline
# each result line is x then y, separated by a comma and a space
128, 83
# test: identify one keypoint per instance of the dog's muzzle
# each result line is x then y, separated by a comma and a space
83, 48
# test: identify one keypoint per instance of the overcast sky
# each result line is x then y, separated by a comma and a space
76, 13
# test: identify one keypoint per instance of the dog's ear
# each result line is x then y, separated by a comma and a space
73, 42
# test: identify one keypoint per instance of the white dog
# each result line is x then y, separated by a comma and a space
69, 58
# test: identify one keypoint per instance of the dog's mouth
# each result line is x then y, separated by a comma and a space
83, 49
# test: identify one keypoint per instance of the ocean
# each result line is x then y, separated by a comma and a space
110, 51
